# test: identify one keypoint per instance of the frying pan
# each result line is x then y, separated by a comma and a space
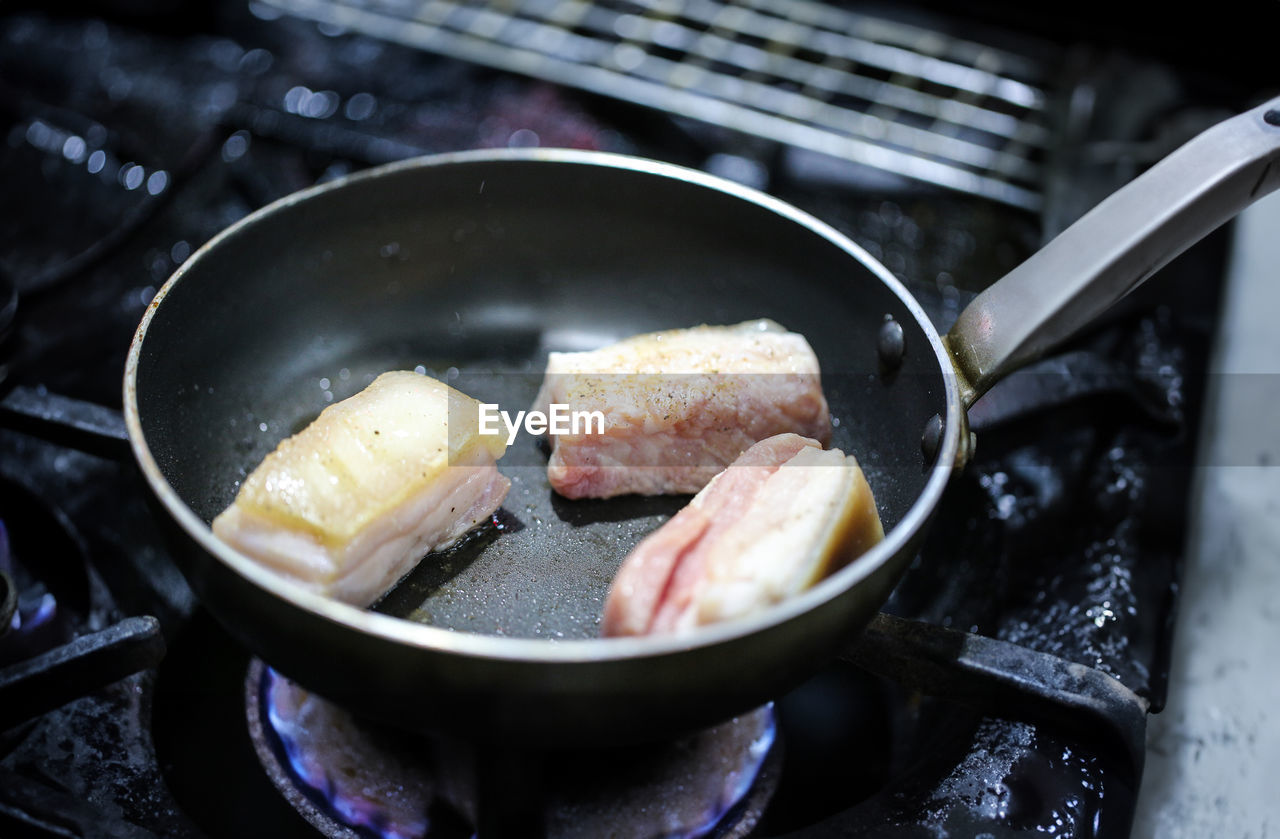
473, 266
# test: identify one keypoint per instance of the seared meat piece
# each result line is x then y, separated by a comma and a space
679, 406
350, 504
781, 517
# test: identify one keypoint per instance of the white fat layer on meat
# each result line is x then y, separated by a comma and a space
350, 504
786, 538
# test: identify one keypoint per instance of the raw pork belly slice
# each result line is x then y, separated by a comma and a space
679, 406
348, 506
781, 517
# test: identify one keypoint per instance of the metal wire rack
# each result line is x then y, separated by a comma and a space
897, 97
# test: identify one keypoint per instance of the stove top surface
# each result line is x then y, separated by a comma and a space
129, 145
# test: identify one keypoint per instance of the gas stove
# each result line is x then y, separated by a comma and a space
1004, 689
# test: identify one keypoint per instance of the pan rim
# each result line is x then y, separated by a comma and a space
549, 650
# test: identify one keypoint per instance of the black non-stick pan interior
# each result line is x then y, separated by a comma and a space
474, 271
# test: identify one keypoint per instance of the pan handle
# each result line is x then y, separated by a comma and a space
1115, 247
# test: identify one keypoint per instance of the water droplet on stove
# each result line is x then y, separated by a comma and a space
38, 134
361, 106
75, 149
321, 105
157, 182
256, 62
235, 146
294, 98
264, 12
524, 138
131, 176
226, 54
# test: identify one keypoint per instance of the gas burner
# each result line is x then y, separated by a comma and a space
56, 647
350, 778
43, 559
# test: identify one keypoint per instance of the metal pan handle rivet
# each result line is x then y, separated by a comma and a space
891, 344
931, 441
932, 438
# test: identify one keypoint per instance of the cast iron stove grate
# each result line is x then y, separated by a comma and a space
900, 98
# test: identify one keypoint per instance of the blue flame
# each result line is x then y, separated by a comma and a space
739, 782
29, 614
347, 804
340, 795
